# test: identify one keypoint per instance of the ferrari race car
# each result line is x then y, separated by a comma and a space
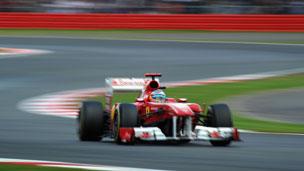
153, 116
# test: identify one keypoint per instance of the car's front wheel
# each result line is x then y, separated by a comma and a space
125, 117
219, 115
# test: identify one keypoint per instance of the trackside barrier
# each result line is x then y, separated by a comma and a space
267, 23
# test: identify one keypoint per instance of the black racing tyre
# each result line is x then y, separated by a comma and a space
90, 121
127, 117
219, 115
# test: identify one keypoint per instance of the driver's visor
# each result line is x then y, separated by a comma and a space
158, 96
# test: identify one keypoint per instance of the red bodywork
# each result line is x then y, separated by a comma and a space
172, 119
152, 112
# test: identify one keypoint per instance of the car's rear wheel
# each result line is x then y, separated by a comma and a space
90, 121
219, 115
125, 117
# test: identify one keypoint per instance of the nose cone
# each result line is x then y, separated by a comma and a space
181, 109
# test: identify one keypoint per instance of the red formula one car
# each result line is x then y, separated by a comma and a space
153, 116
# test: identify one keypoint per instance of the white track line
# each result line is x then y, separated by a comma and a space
14, 52
70, 165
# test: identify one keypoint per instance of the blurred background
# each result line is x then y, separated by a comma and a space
156, 6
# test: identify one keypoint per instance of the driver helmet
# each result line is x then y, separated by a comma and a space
158, 96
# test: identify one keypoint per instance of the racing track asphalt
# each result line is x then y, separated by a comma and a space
281, 105
78, 63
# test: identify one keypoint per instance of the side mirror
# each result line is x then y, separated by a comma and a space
182, 100
139, 100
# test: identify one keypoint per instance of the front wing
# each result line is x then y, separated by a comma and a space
200, 133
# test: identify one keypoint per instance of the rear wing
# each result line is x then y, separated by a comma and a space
123, 85
126, 85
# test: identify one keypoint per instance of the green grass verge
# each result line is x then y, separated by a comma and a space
33, 168
210, 94
153, 35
